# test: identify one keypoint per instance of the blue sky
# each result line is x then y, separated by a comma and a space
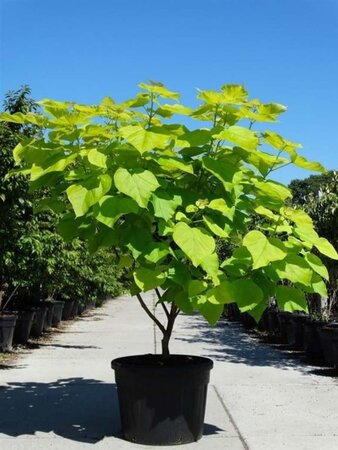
281, 50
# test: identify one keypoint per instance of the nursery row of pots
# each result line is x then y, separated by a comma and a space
19, 326
318, 339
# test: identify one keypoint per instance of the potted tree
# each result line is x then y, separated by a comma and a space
162, 191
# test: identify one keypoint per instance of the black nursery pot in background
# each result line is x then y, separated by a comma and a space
23, 326
7, 326
67, 310
39, 321
57, 312
162, 402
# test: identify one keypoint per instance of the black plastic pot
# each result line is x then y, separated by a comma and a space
162, 403
49, 316
39, 321
57, 312
263, 324
312, 343
296, 331
328, 336
75, 309
273, 323
284, 319
67, 310
82, 308
7, 326
247, 320
23, 326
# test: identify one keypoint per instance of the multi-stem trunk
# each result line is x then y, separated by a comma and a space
165, 330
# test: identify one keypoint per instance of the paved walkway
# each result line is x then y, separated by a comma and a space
62, 395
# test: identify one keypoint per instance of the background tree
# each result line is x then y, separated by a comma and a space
318, 196
33, 256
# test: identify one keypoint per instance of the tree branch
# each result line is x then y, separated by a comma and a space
162, 304
150, 314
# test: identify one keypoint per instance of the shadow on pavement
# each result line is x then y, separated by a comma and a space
80, 409
228, 342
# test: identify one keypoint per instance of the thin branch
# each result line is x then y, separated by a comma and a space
165, 309
150, 314
163, 304
158, 294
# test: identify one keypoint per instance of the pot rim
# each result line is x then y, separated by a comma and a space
148, 361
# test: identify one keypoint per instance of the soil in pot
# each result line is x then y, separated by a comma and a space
312, 342
328, 336
57, 312
67, 310
162, 402
7, 326
39, 321
23, 326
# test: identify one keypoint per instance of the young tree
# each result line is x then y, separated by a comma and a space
129, 175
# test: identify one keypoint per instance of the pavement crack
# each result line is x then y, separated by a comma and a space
227, 412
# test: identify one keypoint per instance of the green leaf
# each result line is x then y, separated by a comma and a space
326, 248
215, 228
160, 89
147, 279
262, 250
290, 299
195, 242
83, 196
194, 138
246, 294
168, 110
97, 158
221, 170
317, 265
196, 287
293, 268
219, 204
278, 142
157, 252
142, 139
222, 294
306, 234
258, 310
300, 161
317, 286
138, 186
165, 204
180, 297
240, 136
110, 209
297, 216
211, 266
209, 311
125, 261
271, 192
174, 164
234, 93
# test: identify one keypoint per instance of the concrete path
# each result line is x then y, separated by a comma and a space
63, 396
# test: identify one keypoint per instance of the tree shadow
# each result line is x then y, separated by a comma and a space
83, 410
79, 409
77, 347
229, 342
